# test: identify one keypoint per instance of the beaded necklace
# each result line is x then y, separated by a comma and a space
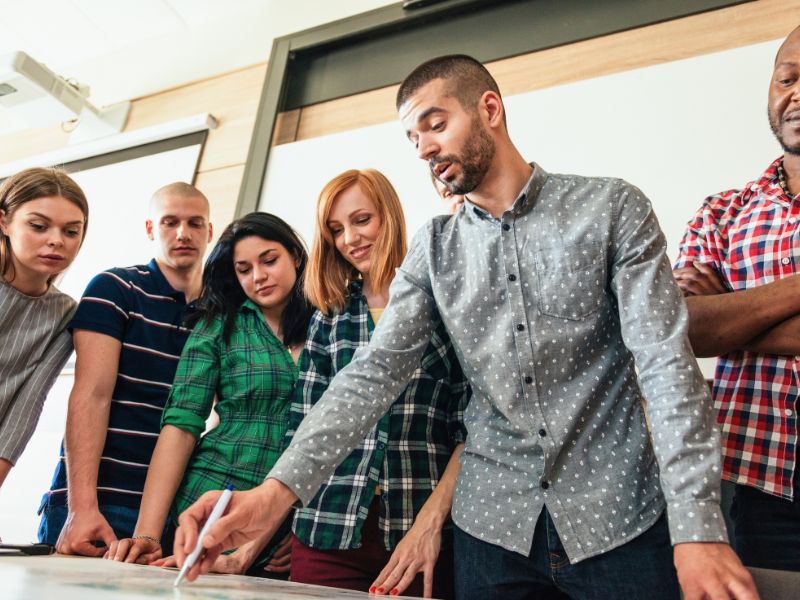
782, 181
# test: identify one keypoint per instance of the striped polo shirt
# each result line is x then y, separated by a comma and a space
137, 306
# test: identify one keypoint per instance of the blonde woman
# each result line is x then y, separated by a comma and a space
383, 516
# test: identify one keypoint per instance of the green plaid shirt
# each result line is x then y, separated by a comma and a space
252, 377
405, 453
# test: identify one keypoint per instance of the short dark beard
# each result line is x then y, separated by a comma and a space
775, 125
475, 158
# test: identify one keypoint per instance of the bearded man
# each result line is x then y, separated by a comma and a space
737, 267
551, 287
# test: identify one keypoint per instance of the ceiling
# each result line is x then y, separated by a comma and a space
124, 49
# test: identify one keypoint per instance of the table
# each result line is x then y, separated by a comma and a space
78, 578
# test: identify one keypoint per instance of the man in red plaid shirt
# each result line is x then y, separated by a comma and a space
737, 266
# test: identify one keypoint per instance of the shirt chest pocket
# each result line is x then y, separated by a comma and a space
571, 280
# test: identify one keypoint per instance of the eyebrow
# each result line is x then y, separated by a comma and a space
349, 216
425, 114
262, 255
46, 218
786, 63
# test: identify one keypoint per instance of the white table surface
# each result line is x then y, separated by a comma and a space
76, 578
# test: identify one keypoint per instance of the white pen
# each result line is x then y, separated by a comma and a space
219, 508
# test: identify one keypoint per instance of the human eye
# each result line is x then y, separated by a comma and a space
196, 223
73, 232
363, 219
437, 125
37, 226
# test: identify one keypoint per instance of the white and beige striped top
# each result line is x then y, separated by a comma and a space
34, 346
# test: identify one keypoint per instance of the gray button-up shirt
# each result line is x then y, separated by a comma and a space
552, 310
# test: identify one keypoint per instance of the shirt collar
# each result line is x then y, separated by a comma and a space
769, 186
355, 287
251, 306
161, 284
526, 199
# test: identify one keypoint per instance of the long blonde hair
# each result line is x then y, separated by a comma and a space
328, 274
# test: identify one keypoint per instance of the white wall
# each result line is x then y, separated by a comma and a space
680, 131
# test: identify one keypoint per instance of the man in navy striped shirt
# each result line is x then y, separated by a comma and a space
128, 334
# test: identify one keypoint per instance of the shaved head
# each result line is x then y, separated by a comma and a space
790, 39
178, 189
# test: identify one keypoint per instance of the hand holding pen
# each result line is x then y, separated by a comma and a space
250, 514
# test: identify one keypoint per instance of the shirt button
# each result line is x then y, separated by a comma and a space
542, 433
544, 485
506, 226
785, 260
528, 379
381, 445
520, 327
788, 412
512, 277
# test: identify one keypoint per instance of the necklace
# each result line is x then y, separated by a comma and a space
782, 181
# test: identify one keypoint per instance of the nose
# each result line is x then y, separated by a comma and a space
182, 232
426, 147
259, 274
351, 236
56, 239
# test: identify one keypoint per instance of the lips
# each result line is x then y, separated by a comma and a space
440, 168
265, 290
361, 252
183, 249
51, 259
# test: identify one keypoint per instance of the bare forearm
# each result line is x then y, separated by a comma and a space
437, 506
784, 338
87, 422
721, 323
167, 466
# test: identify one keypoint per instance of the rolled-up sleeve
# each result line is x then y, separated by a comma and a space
196, 379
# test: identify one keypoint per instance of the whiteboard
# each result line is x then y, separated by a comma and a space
680, 131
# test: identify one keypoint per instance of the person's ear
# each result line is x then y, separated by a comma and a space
210, 232
148, 226
491, 106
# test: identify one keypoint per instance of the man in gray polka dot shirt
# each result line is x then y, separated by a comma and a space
552, 288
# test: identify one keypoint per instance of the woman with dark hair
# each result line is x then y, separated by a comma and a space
248, 333
43, 218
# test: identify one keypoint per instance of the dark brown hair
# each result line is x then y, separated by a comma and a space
465, 79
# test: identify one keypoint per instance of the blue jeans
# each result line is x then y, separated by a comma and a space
121, 518
641, 569
766, 529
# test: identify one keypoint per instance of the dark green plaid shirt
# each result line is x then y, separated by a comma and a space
405, 453
252, 377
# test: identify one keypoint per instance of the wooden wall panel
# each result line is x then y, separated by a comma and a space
713, 31
221, 187
232, 99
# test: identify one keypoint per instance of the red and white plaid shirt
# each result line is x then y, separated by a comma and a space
750, 237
